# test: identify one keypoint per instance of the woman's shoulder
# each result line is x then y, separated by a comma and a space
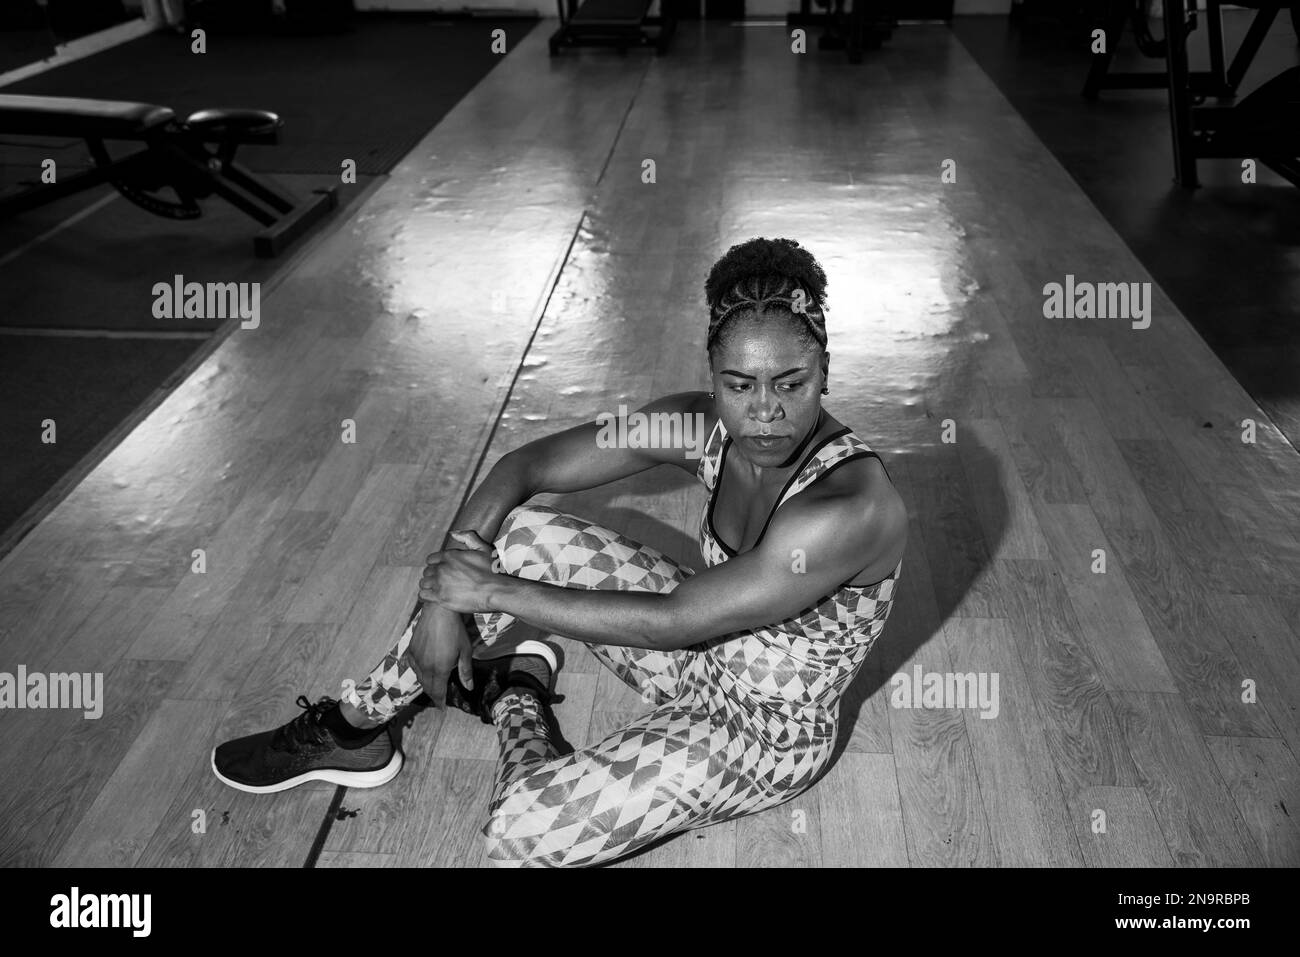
847, 467
854, 495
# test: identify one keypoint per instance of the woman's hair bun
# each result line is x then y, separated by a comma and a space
765, 257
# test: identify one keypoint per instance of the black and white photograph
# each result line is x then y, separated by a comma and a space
688, 435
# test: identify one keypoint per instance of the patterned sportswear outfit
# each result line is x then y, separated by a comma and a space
740, 723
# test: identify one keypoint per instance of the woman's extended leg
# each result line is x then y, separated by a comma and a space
645, 781
541, 543
693, 761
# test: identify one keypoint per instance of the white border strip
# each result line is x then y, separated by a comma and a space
81, 48
60, 227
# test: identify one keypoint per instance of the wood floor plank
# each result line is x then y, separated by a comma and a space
1110, 622
339, 859
1264, 779
451, 808
269, 580
415, 534
861, 817
1177, 611
289, 664
1117, 828
577, 658
942, 815
1251, 485
938, 792
92, 650
391, 820
1081, 729
252, 567
1123, 410
786, 836
1018, 780
375, 622
239, 829
133, 804
227, 656
1036, 446
1211, 548
1000, 360
953, 539
36, 819
1001, 501
1051, 370
349, 460
864, 708
937, 784
355, 547
1196, 814
1267, 647
50, 610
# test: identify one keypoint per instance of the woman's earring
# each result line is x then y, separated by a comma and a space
826, 390
710, 395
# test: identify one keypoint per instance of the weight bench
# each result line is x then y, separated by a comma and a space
617, 23
193, 158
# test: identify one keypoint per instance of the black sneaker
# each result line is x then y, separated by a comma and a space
530, 665
304, 750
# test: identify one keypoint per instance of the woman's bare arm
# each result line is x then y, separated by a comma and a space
567, 461
814, 544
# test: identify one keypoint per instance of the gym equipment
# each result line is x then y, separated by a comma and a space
616, 23
1219, 80
1265, 125
862, 29
193, 158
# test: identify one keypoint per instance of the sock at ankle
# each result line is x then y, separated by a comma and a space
526, 694
344, 733
516, 681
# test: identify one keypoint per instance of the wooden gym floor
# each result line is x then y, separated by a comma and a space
1119, 692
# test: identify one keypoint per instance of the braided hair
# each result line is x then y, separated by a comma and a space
763, 273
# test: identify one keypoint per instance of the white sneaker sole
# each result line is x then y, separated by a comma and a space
350, 779
531, 647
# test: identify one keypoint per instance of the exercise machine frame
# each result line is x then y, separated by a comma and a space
1188, 122
1222, 79
617, 23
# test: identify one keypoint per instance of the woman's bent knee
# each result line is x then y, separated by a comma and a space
523, 517
506, 849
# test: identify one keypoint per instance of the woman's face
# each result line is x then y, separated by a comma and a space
767, 385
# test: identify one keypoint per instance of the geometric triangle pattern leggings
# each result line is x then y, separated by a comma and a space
701, 755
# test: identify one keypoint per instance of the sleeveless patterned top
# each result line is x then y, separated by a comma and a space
799, 666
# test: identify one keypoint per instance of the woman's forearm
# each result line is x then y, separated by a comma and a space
505, 488
630, 619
